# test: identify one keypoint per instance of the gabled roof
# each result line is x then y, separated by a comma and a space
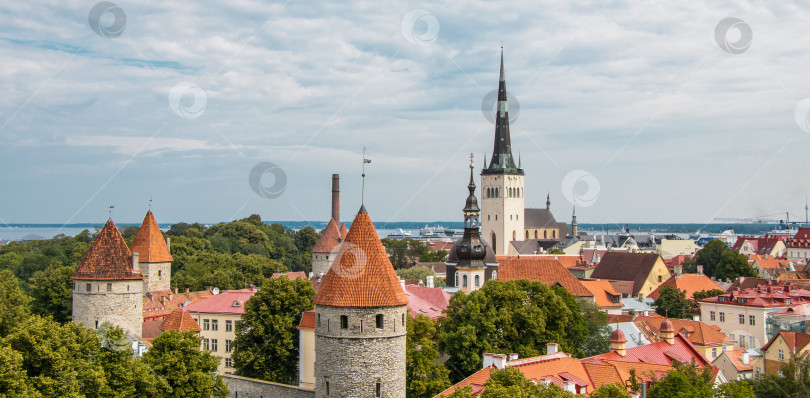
149, 242
623, 266
181, 321
343, 231
158, 304
539, 218
291, 275
428, 301
689, 283
307, 320
658, 353
362, 274
548, 271
329, 241
228, 302
699, 333
735, 357
603, 292
109, 258
796, 342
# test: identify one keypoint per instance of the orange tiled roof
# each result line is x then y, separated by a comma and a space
181, 321
567, 260
158, 304
735, 357
797, 342
109, 258
291, 275
603, 292
548, 271
362, 274
330, 239
699, 333
149, 242
689, 283
307, 320
343, 231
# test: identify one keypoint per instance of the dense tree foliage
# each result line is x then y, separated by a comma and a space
721, 262
615, 390
425, 377
686, 381
266, 344
13, 303
598, 333
184, 370
672, 302
405, 253
510, 383
794, 381
420, 272
697, 296
514, 316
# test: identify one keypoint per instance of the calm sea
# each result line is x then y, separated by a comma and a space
10, 232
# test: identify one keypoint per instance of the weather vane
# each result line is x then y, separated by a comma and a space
363, 189
150, 202
109, 211
471, 160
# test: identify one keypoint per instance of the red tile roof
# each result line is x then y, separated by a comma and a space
330, 239
796, 342
735, 357
567, 261
227, 302
158, 304
548, 271
343, 231
699, 333
659, 353
151, 329
149, 242
109, 258
603, 292
181, 321
291, 275
763, 296
307, 320
761, 244
429, 301
362, 274
689, 283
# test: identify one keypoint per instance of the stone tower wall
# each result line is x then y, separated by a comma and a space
118, 302
353, 360
157, 276
502, 215
321, 262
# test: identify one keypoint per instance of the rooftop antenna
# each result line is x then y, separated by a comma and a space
150, 202
109, 212
363, 190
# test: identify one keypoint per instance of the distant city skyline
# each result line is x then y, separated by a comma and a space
637, 113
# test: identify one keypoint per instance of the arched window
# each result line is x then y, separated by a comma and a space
554, 234
494, 274
456, 278
535, 234
514, 235
527, 234
477, 280
494, 239
545, 234
497, 192
464, 279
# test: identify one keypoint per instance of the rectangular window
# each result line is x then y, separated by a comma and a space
751, 341
214, 345
742, 341
379, 389
714, 352
319, 320
742, 319
344, 322
711, 316
228, 363
214, 324
229, 326
228, 345
109, 287
781, 355
752, 320
89, 287
206, 344
722, 317
379, 321
206, 324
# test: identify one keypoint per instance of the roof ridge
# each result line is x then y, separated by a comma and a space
108, 258
149, 242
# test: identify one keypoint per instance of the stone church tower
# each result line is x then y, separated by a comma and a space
502, 184
108, 284
153, 255
360, 313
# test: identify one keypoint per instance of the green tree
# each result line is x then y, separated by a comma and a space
733, 265
266, 344
417, 272
709, 256
126, 376
697, 296
463, 392
686, 381
425, 377
614, 390
598, 333
672, 302
13, 303
794, 381
735, 389
13, 380
185, 370
52, 292
556, 250
511, 383
515, 316
433, 256
305, 239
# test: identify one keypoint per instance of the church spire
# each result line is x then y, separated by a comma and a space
502, 161
548, 201
574, 222
471, 210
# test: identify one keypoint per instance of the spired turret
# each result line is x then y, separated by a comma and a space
108, 284
360, 313
153, 255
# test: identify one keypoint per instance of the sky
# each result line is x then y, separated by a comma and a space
654, 111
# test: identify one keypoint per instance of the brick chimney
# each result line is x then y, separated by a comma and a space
429, 281
336, 198
135, 264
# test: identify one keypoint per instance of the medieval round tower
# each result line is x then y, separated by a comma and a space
153, 255
360, 313
108, 284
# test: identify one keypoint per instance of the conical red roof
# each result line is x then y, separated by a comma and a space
362, 274
149, 242
109, 258
343, 231
180, 320
330, 239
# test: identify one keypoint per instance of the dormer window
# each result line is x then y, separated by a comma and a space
236, 303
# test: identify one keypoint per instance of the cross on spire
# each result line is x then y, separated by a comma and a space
150, 202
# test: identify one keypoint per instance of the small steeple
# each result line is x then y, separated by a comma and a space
471, 210
470, 249
548, 202
574, 222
